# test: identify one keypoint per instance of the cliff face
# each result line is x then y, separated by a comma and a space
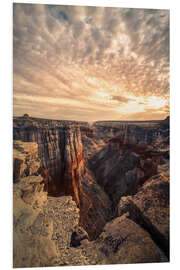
60, 155
63, 169
127, 152
129, 155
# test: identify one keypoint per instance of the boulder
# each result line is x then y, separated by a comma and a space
124, 241
150, 208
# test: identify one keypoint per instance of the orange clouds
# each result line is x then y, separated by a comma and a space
88, 63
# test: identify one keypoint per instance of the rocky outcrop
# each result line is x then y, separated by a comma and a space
130, 132
47, 231
128, 170
25, 159
42, 227
84, 197
123, 241
96, 210
87, 131
63, 169
150, 208
166, 122
130, 155
60, 154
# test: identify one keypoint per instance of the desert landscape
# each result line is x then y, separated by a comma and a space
90, 194
90, 135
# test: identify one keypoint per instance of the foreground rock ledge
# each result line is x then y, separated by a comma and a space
41, 227
43, 230
150, 208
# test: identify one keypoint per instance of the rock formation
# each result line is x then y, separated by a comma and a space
124, 241
150, 208
130, 156
41, 228
90, 195
25, 159
63, 169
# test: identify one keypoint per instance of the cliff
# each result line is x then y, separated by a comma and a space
60, 155
47, 228
129, 153
63, 168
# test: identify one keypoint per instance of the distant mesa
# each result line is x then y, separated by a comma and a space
165, 122
167, 119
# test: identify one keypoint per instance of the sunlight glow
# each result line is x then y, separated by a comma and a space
156, 102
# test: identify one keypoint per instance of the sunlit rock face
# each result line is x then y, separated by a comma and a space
63, 168
25, 159
42, 226
60, 154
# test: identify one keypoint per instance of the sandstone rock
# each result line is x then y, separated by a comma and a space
79, 209
150, 208
64, 172
96, 210
25, 159
129, 169
109, 164
61, 157
123, 241
42, 228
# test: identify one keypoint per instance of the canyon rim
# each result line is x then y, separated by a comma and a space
90, 135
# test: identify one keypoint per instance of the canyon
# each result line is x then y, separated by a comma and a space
90, 194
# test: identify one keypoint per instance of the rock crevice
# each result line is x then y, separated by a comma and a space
90, 194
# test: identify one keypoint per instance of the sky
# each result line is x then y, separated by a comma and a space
90, 63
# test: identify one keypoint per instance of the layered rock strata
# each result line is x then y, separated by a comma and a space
64, 172
60, 154
130, 154
83, 228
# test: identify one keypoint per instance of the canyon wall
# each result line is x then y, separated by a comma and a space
60, 155
47, 231
90, 195
96, 164
63, 168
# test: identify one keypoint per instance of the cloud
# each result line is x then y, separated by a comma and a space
57, 50
121, 99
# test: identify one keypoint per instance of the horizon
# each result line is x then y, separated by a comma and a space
110, 120
90, 63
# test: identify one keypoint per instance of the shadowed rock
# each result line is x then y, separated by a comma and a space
150, 208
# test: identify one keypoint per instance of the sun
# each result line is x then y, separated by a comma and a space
156, 102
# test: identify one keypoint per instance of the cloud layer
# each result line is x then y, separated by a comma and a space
90, 63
